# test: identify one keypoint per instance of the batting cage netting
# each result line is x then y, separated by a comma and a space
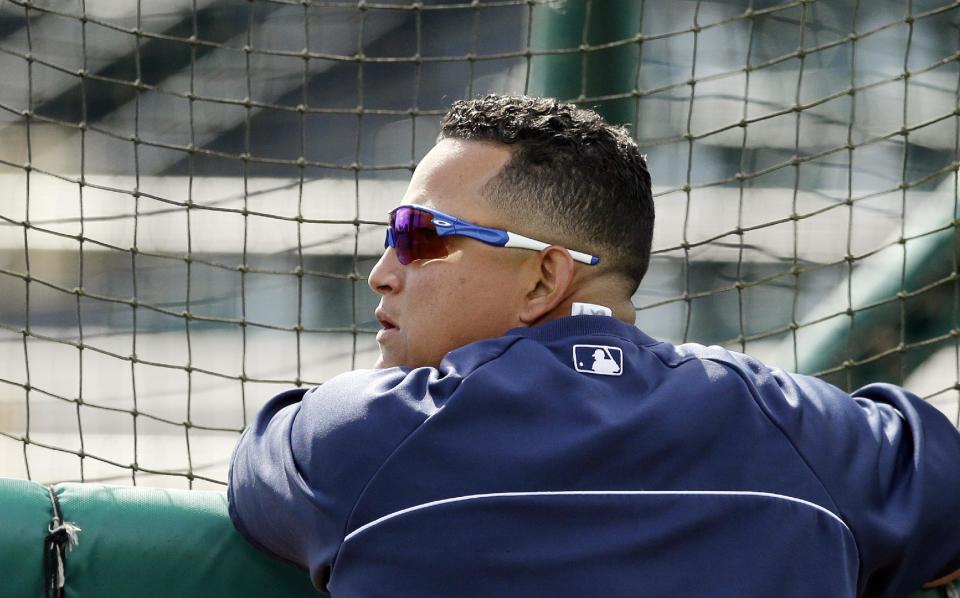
192, 193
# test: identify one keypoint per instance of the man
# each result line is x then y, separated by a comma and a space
521, 437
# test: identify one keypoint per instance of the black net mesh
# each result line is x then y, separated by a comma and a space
192, 194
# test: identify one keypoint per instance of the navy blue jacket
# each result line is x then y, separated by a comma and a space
584, 458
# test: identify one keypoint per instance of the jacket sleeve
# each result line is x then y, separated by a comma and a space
299, 468
891, 463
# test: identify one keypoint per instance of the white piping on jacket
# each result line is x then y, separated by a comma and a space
444, 501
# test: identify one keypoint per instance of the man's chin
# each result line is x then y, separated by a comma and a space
385, 360
382, 363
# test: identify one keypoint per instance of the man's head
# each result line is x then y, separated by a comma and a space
532, 166
572, 177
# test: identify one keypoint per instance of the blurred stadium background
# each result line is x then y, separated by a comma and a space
192, 193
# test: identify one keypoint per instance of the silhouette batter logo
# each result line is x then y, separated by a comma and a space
598, 359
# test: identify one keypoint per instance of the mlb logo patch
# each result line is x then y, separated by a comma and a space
598, 359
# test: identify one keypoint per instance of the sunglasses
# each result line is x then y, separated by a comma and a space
416, 233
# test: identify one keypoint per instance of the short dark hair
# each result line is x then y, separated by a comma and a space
570, 173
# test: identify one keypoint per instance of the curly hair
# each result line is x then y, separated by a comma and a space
571, 175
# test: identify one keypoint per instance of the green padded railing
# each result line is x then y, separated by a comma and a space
135, 541
144, 542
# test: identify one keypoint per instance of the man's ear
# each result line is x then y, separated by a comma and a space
549, 283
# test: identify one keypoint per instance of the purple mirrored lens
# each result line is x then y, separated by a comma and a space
414, 236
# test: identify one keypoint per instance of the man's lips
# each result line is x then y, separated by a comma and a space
386, 322
388, 326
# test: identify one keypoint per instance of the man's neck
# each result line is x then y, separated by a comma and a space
621, 309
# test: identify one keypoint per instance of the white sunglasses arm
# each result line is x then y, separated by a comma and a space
521, 242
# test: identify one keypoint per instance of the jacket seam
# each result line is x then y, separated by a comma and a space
754, 396
373, 476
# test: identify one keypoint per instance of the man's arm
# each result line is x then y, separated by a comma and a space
298, 470
265, 491
891, 462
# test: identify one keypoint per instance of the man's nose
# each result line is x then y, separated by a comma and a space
385, 277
